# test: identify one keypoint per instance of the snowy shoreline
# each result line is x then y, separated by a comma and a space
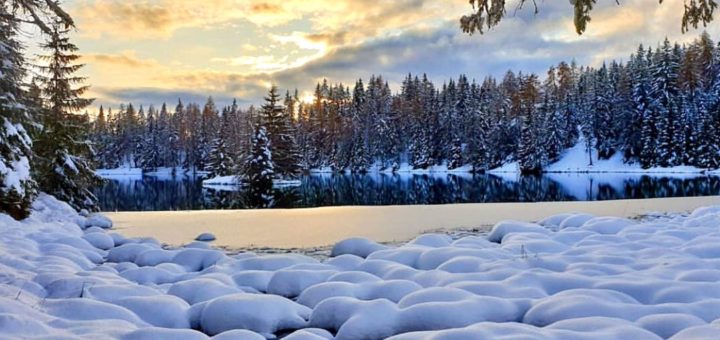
570, 275
574, 160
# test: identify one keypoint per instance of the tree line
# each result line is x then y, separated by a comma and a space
661, 108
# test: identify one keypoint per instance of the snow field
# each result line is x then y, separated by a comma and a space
570, 276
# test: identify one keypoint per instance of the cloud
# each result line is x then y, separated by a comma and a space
150, 19
345, 40
157, 97
127, 58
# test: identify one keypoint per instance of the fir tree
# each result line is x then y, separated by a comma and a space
62, 150
149, 150
221, 161
456, 159
280, 130
530, 154
664, 103
17, 189
260, 170
642, 144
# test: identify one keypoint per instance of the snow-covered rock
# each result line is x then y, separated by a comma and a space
205, 237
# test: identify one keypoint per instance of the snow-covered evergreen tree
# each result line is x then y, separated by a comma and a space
260, 170
149, 156
658, 109
221, 160
62, 149
664, 103
642, 147
530, 153
280, 130
17, 188
456, 158
552, 118
602, 113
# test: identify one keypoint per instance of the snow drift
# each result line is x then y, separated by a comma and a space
570, 276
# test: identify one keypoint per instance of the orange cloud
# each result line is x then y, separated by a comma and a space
124, 59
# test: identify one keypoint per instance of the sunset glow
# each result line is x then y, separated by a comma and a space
151, 51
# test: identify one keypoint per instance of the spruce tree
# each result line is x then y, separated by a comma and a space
530, 154
149, 156
664, 103
456, 158
280, 130
641, 146
62, 150
17, 188
361, 158
553, 127
260, 170
221, 162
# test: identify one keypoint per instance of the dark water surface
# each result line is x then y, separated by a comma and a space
187, 193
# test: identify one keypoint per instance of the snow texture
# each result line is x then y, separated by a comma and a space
570, 276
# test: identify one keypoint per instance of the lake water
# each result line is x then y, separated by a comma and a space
186, 193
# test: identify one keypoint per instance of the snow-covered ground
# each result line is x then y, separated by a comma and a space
315, 227
118, 172
232, 183
163, 172
576, 159
570, 276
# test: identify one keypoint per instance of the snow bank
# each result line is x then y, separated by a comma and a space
570, 276
576, 159
228, 182
119, 172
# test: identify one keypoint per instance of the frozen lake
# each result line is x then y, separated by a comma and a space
290, 228
128, 193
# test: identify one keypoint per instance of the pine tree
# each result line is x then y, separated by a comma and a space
149, 152
192, 133
260, 170
208, 132
17, 188
602, 113
164, 133
664, 103
361, 158
642, 144
221, 161
280, 130
529, 154
62, 151
456, 158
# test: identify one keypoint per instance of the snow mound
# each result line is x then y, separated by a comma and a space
157, 333
500, 230
357, 246
98, 220
264, 314
205, 237
570, 276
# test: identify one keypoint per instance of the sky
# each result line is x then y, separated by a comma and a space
154, 51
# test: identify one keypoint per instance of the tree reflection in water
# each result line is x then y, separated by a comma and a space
153, 194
